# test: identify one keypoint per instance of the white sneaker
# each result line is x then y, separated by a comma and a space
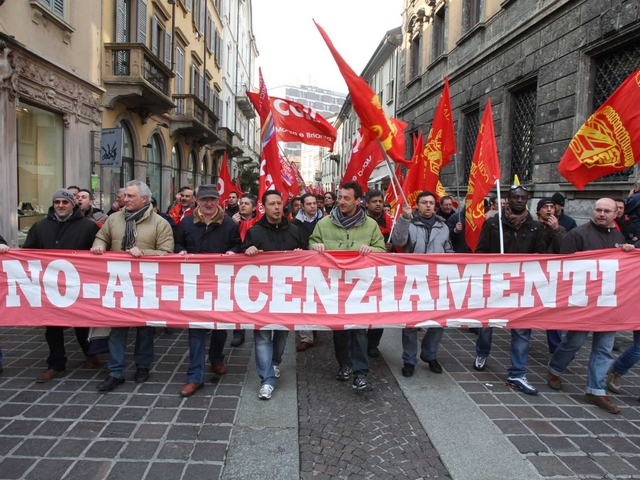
276, 371
265, 392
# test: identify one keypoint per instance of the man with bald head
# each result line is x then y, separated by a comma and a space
598, 233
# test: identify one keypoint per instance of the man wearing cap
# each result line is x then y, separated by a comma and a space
64, 228
139, 231
563, 219
208, 230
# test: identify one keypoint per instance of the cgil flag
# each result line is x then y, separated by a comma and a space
366, 104
366, 155
609, 141
225, 185
485, 170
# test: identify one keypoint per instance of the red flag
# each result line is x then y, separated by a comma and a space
390, 197
365, 157
270, 178
238, 186
298, 123
367, 106
289, 179
415, 181
441, 192
225, 185
301, 182
485, 170
609, 141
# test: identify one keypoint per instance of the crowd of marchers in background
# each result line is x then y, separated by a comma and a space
197, 223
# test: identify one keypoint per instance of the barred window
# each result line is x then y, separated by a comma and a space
524, 122
414, 59
611, 69
471, 129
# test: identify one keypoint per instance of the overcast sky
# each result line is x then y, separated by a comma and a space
292, 51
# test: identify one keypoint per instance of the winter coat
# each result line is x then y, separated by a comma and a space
195, 236
458, 240
96, 215
153, 234
270, 237
76, 233
330, 232
3, 241
553, 238
414, 237
590, 236
302, 222
528, 239
567, 222
178, 214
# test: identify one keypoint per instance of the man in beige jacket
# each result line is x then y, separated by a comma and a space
138, 230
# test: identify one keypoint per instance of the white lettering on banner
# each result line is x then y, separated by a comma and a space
317, 283
280, 289
284, 107
190, 300
416, 285
119, 272
458, 285
223, 302
547, 287
608, 297
354, 303
499, 285
149, 298
241, 288
30, 287
577, 271
388, 303
52, 287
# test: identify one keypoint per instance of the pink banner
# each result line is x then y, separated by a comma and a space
592, 291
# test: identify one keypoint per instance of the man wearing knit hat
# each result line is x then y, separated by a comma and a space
65, 228
563, 219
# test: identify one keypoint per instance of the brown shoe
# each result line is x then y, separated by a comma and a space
190, 388
304, 346
603, 402
49, 375
614, 381
219, 368
92, 361
554, 381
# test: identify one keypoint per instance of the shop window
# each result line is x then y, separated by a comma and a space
119, 176
191, 169
154, 169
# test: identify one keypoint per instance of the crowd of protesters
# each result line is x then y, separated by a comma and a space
197, 223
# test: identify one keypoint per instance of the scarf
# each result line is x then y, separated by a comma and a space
349, 222
517, 220
129, 238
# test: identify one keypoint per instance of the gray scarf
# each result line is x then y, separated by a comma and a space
129, 239
349, 222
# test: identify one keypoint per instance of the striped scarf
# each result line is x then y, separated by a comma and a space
129, 238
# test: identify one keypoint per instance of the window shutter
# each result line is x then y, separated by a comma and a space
201, 88
167, 49
154, 36
212, 37
203, 6
58, 7
179, 71
207, 29
187, 5
121, 22
142, 22
193, 80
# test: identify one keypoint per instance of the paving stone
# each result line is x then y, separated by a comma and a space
68, 448
34, 447
86, 429
511, 427
100, 412
128, 471
142, 450
559, 444
11, 468
549, 466
152, 431
619, 445
215, 432
221, 416
528, 444
165, 471
199, 471
20, 428
7, 444
590, 445
89, 470
131, 414
183, 432
104, 449
569, 427
584, 466
191, 416
118, 430
209, 452
49, 469
39, 411
615, 465
176, 450
70, 412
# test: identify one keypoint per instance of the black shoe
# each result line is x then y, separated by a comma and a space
407, 370
237, 341
434, 365
373, 351
168, 331
361, 383
142, 375
110, 383
345, 372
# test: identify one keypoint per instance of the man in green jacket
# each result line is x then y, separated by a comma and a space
349, 228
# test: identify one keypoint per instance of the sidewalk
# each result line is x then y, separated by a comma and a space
461, 424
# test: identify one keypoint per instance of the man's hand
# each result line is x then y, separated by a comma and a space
236, 218
4, 248
459, 227
365, 250
135, 252
552, 222
389, 247
627, 247
251, 251
183, 252
115, 206
230, 253
97, 250
319, 247
406, 210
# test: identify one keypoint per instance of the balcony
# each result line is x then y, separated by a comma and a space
194, 120
136, 78
228, 141
243, 102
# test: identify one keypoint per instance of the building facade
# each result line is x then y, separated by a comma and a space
545, 65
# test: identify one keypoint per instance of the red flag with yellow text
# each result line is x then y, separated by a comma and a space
609, 141
485, 170
365, 157
367, 106
414, 182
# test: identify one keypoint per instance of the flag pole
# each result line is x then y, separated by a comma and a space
392, 172
500, 217
455, 162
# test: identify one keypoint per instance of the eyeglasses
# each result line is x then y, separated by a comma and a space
61, 202
515, 187
606, 211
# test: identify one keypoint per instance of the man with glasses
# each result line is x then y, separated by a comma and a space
329, 201
522, 234
596, 234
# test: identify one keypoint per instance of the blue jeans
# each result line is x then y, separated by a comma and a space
195, 373
554, 337
0, 356
354, 352
622, 365
519, 352
269, 352
483, 343
374, 335
428, 349
600, 359
142, 354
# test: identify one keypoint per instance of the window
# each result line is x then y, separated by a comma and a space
524, 122
471, 129
131, 21
154, 169
56, 6
179, 80
414, 60
191, 168
121, 175
439, 33
471, 13
391, 91
176, 165
611, 69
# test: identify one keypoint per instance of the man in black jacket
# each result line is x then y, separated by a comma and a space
521, 234
67, 228
272, 233
208, 230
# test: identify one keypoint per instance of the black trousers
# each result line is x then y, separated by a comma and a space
55, 339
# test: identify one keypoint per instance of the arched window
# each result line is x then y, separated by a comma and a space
121, 175
176, 163
191, 168
154, 168
206, 174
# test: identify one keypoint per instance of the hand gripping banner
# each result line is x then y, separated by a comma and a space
591, 291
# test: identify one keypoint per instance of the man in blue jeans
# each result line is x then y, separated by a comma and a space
596, 234
208, 230
522, 234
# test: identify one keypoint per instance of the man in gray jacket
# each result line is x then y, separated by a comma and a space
421, 231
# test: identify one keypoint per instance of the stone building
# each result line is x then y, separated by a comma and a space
546, 65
